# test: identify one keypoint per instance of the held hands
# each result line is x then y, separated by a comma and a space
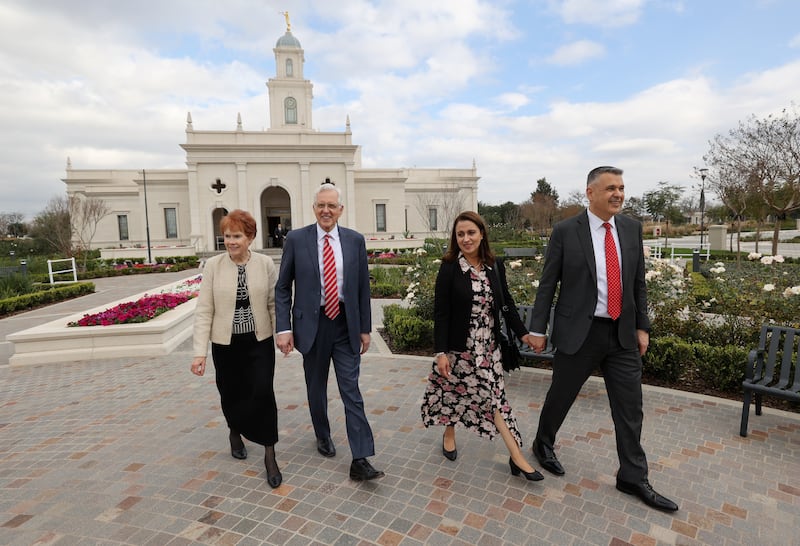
537, 343
199, 365
285, 342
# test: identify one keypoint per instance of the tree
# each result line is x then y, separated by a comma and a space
9, 219
52, 226
661, 204
85, 214
542, 207
448, 205
766, 152
635, 208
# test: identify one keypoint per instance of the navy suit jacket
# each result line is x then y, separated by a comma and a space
300, 266
570, 261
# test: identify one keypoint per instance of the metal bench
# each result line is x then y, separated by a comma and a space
777, 351
526, 314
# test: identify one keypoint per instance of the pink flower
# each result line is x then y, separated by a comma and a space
141, 310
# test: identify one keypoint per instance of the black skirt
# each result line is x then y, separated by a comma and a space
245, 370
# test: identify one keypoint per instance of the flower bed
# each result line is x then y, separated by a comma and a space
143, 309
55, 342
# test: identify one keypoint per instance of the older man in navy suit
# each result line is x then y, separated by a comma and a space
330, 319
600, 321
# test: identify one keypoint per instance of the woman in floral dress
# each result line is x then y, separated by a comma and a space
466, 385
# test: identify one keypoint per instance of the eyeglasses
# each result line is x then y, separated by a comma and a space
329, 206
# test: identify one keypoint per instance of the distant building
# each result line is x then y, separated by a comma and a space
273, 174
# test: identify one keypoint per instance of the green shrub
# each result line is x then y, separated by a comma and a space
409, 332
721, 367
385, 290
406, 328
15, 285
45, 296
667, 358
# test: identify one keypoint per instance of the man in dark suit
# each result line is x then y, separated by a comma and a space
328, 320
278, 236
597, 323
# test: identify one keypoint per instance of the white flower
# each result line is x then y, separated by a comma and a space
410, 269
754, 256
768, 287
777, 258
535, 284
717, 270
437, 261
646, 251
516, 264
791, 291
719, 264
706, 304
767, 260
420, 251
410, 296
652, 274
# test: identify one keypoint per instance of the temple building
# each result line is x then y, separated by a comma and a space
272, 173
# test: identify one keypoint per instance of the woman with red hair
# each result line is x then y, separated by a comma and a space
236, 312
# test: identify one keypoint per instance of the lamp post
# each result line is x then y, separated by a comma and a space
703, 174
146, 218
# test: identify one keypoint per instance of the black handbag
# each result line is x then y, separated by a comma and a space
509, 349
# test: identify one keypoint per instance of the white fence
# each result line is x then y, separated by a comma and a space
71, 269
657, 250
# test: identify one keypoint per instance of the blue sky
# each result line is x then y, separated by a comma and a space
527, 89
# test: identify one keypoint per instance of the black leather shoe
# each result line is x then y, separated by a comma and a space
547, 458
534, 476
238, 451
361, 470
647, 494
450, 455
325, 447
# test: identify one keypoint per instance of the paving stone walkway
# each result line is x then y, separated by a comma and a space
135, 451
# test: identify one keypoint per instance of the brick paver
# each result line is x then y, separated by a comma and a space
134, 451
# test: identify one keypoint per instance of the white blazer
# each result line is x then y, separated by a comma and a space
217, 300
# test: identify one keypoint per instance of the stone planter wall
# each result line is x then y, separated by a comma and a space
56, 342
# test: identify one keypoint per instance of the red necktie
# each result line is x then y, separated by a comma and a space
612, 275
329, 280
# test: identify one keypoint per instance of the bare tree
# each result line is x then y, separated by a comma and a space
733, 189
767, 152
52, 226
85, 214
7, 220
448, 205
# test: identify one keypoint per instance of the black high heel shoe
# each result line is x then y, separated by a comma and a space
534, 476
238, 451
274, 476
450, 455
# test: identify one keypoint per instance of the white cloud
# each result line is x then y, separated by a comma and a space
577, 53
605, 13
795, 41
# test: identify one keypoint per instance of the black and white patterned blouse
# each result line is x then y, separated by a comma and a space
243, 320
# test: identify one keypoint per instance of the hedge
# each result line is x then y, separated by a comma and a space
44, 297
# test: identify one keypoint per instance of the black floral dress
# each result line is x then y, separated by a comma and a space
476, 386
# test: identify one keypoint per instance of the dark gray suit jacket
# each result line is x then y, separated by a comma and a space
300, 266
570, 267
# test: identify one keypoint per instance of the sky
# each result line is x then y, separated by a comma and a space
527, 89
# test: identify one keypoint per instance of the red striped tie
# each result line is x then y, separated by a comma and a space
329, 280
612, 275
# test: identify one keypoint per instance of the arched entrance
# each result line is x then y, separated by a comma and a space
216, 216
275, 209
